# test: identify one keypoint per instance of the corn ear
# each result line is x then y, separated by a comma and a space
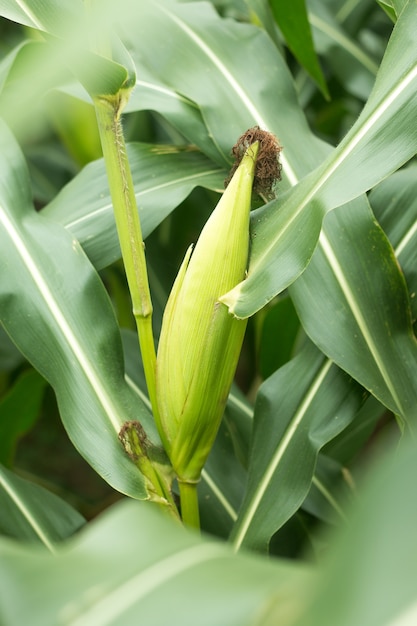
153, 464
200, 341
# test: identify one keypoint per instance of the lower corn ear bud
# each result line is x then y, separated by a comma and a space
200, 341
152, 462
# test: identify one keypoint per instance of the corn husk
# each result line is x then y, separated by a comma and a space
200, 341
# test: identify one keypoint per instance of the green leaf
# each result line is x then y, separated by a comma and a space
354, 67
293, 22
222, 485
50, 16
394, 202
260, 13
31, 513
19, 410
182, 113
215, 63
346, 447
369, 575
399, 5
163, 176
101, 76
316, 401
388, 7
383, 138
280, 328
9, 62
352, 301
151, 94
328, 496
122, 565
66, 22
10, 357
56, 310
26, 73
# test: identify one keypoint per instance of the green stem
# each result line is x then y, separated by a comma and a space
151, 463
108, 111
189, 504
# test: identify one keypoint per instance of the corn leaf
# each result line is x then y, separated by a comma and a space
293, 22
163, 176
383, 138
394, 203
60, 317
30, 513
126, 580
355, 293
19, 410
316, 401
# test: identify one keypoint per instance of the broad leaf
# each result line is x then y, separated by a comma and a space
353, 302
182, 113
316, 401
293, 22
383, 138
354, 67
71, 43
10, 357
50, 16
19, 410
163, 176
215, 63
83, 585
152, 94
55, 308
280, 327
26, 74
31, 513
369, 575
118, 570
100, 76
394, 203
329, 493
346, 447
399, 5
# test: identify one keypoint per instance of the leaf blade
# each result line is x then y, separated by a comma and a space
31, 513
163, 176
115, 586
316, 402
293, 22
354, 280
48, 311
362, 159
18, 412
225, 69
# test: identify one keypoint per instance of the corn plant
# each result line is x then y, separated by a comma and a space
175, 174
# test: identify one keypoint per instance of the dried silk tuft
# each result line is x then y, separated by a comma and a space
268, 166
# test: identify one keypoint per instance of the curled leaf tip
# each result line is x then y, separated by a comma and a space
268, 167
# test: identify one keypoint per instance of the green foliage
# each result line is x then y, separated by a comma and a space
293, 22
19, 410
325, 391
